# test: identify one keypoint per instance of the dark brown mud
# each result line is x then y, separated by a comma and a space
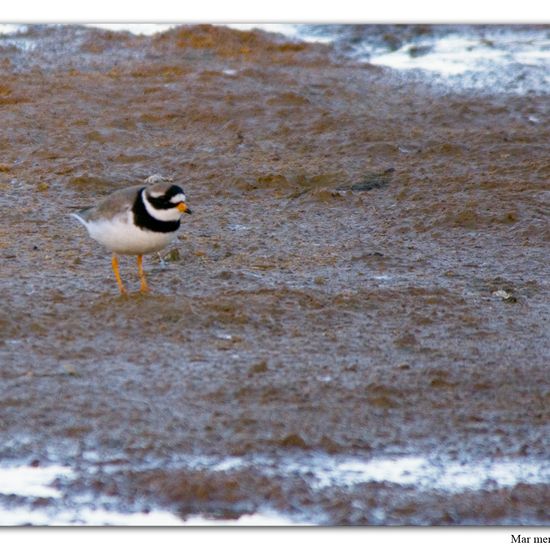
336, 291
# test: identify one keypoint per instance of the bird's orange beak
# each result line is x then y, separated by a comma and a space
182, 207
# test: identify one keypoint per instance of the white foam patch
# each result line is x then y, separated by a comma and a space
103, 517
456, 54
448, 56
99, 517
31, 482
424, 474
11, 29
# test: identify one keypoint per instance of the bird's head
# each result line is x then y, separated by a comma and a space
165, 201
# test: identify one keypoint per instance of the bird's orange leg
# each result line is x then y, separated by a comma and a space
144, 287
117, 274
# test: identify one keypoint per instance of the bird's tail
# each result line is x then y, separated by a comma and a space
78, 217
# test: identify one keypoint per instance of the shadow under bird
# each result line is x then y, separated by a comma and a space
137, 220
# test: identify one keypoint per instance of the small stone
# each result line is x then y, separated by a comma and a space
70, 370
173, 255
259, 368
294, 440
505, 295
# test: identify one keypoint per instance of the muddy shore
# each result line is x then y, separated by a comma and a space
365, 274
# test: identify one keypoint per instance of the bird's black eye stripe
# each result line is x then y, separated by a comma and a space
163, 202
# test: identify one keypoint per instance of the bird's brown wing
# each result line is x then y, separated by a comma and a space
117, 203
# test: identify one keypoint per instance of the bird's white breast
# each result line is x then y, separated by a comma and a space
122, 236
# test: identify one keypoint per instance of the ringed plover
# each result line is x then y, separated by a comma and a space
137, 220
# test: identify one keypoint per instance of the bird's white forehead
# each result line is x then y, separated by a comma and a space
176, 199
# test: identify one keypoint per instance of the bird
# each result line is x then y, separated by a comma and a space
136, 220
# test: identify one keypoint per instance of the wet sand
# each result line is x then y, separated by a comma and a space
365, 274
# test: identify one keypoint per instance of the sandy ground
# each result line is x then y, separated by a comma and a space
333, 292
